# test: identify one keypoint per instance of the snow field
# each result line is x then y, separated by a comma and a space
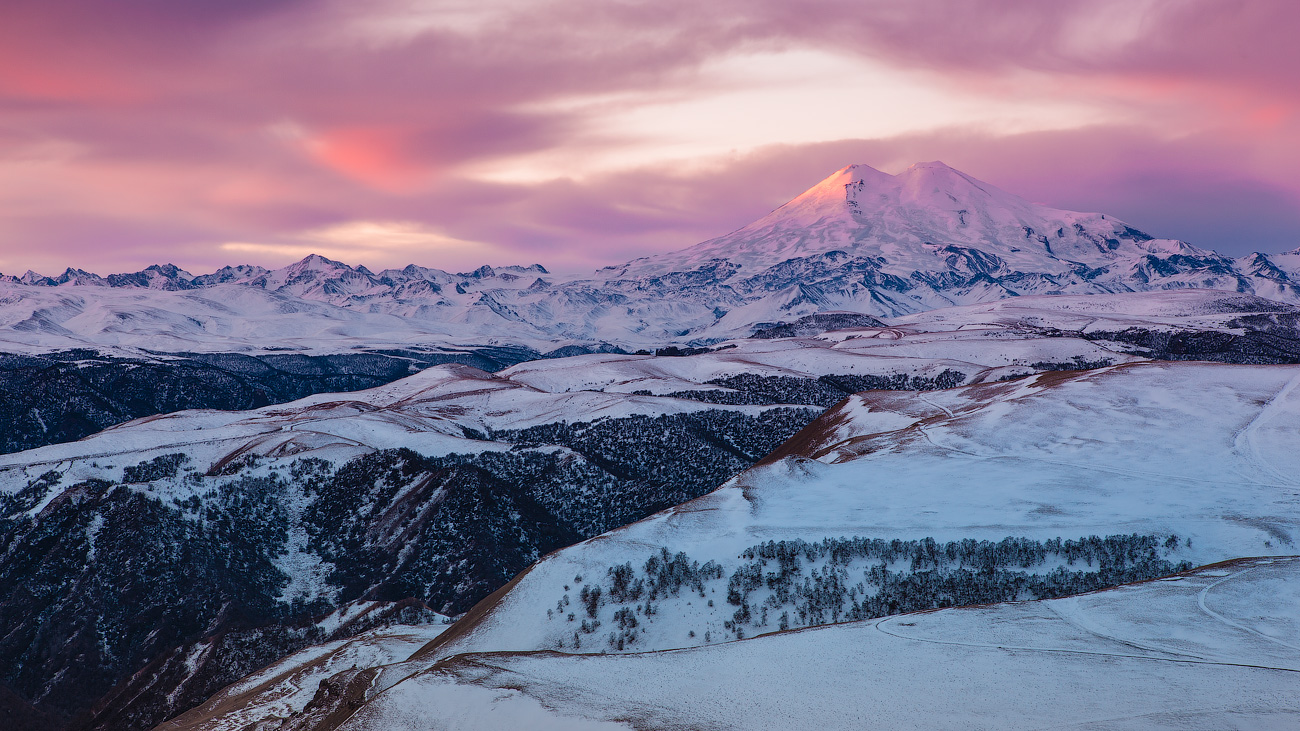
1139, 657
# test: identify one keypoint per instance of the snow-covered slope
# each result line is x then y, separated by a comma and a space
917, 220
1200, 451
1217, 648
428, 412
859, 241
1016, 481
240, 528
318, 505
288, 685
504, 467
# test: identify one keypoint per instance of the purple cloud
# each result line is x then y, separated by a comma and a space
137, 131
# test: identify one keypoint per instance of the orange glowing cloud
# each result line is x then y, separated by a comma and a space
51, 84
382, 157
1269, 117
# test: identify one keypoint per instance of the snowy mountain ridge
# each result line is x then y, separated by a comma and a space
859, 241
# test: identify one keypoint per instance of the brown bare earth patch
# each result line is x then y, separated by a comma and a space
809, 439
223, 702
471, 619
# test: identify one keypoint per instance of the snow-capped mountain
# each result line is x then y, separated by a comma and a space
929, 218
859, 241
313, 306
163, 557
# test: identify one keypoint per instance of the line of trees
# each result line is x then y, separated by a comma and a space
784, 584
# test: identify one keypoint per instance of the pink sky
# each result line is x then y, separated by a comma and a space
579, 133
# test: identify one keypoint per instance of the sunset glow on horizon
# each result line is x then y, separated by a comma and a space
581, 133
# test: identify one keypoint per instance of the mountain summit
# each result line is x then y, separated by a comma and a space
918, 221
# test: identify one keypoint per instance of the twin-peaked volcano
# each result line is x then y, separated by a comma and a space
919, 220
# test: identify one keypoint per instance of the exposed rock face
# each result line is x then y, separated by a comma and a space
817, 324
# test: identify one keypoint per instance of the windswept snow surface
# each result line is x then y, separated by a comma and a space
1213, 649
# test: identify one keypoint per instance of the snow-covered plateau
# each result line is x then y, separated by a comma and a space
445, 484
431, 411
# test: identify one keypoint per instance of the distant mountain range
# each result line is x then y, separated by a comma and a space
859, 241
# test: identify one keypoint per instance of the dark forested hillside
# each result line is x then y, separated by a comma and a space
62, 397
114, 585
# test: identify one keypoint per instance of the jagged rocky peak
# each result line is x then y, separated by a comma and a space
79, 278
316, 263
530, 269
154, 276
169, 270
315, 272
230, 274
31, 278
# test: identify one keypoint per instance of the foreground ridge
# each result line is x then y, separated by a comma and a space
1200, 649
987, 492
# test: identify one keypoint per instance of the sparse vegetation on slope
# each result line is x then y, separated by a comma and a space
791, 584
